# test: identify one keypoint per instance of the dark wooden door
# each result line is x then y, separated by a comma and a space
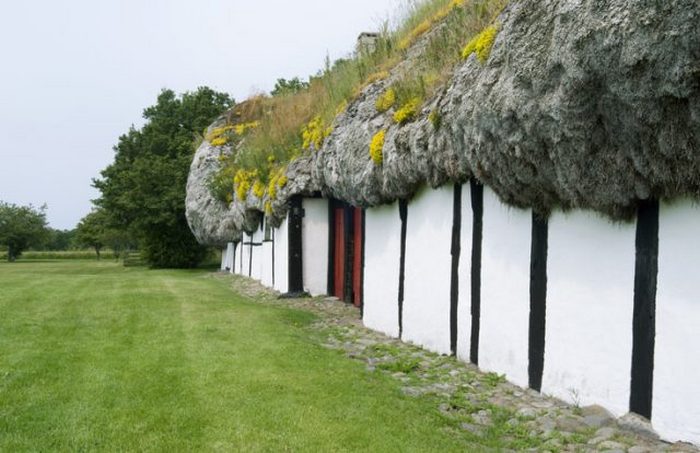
295, 267
339, 253
357, 257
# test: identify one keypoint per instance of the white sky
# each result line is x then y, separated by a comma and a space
75, 74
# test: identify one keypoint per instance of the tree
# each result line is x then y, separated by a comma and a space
91, 231
120, 241
21, 227
291, 86
59, 240
143, 190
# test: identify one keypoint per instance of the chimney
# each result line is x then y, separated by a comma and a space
366, 43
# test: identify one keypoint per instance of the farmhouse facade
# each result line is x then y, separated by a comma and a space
562, 306
546, 229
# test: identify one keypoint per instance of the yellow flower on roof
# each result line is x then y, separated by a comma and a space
241, 129
376, 147
481, 44
219, 141
408, 111
258, 189
243, 181
386, 100
314, 133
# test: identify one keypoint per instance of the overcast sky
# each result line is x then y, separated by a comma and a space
75, 74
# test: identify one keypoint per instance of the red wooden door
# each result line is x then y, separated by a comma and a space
357, 257
339, 254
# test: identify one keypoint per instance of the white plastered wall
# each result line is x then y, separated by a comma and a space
381, 271
315, 246
505, 290
229, 257
267, 265
588, 339
244, 252
281, 258
237, 263
464, 315
676, 403
258, 259
426, 306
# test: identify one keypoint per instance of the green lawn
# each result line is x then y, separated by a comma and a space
94, 356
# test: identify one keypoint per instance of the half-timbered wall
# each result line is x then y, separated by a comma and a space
550, 303
572, 304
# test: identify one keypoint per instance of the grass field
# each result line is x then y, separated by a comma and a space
95, 356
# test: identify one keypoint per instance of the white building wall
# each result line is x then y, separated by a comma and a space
464, 315
224, 257
676, 403
244, 252
281, 258
237, 262
590, 289
267, 266
315, 246
505, 290
381, 271
228, 263
258, 259
426, 306
590, 302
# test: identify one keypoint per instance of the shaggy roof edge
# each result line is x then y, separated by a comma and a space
579, 105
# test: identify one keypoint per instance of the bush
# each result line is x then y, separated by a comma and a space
22, 227
176, 248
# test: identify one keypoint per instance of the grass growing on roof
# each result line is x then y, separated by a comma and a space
461, 22
289, 125
421, 17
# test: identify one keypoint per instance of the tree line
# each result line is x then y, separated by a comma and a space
25, 228
142, 192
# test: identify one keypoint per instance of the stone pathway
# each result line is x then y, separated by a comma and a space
482, 406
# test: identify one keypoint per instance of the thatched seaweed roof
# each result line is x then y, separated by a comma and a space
582, 104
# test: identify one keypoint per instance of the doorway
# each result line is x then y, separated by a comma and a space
346, 250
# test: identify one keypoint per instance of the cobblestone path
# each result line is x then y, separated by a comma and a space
482, 406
